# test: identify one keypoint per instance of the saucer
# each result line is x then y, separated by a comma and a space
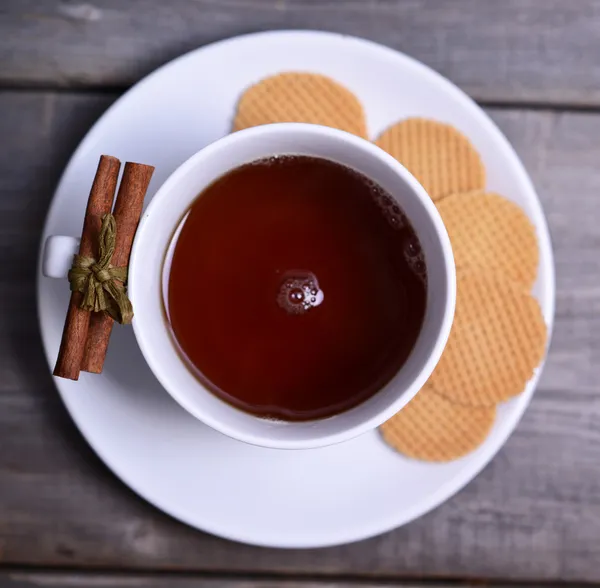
266, 497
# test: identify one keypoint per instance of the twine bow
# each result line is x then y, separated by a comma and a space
100, 283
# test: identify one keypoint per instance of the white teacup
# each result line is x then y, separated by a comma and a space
148, 269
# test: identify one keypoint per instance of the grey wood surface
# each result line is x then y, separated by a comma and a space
532, 515
22, 579
505, 50
534, 512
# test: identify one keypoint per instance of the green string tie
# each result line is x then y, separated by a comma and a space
100, 283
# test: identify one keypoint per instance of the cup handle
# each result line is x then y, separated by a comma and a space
58, 255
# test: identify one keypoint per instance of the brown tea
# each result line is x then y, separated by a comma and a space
297, 288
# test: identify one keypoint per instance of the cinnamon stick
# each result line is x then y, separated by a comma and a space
75, 331
127, 213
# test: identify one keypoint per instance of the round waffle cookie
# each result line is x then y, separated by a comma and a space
498, 338
491, 233
300, 97
438, 155
432, 428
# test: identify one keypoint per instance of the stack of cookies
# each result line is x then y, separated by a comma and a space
498, 337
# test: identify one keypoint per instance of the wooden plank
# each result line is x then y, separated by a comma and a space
542, 51
534, 513
96, 580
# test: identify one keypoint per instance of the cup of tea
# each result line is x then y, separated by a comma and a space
293, 285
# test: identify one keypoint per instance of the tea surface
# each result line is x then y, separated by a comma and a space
297, 288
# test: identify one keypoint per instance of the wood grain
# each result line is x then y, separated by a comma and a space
95, 580
532, 514
540, 51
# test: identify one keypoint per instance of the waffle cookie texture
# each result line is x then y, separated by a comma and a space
300, 97
490, 233
438, 155
433, 428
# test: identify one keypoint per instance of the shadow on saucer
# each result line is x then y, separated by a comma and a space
125, 365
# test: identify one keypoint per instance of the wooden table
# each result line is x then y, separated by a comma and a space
533, 515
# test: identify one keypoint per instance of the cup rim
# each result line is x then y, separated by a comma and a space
443, 329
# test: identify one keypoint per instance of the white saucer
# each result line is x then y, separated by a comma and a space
265, 497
